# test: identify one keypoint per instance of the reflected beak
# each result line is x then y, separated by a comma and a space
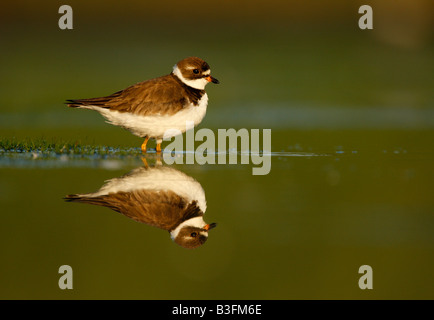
210, 226
212, 79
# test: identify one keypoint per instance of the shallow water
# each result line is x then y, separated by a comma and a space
302, 231
352, 153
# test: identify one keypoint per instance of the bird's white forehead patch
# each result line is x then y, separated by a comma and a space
207, 72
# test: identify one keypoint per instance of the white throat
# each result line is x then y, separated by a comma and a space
193, 222
196, 83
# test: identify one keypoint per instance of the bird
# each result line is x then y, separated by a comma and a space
157, 108
159, 196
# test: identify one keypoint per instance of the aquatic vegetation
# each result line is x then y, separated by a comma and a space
41, 146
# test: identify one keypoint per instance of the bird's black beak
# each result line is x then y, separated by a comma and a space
212, 79
210, 226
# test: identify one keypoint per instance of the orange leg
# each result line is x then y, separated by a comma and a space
144, 145
158, 147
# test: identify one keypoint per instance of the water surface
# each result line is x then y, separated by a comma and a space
302, 231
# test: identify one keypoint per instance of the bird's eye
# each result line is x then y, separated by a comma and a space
194, 234
196, 71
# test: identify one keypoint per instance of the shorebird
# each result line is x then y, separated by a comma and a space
159, 107
159, 196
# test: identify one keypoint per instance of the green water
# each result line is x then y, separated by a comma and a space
351, 180
302, 231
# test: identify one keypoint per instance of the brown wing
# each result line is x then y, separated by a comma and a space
162, 209
160, 95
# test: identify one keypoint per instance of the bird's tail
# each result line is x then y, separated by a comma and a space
74, 198
82, 198
74, 103
98, 200
92, 102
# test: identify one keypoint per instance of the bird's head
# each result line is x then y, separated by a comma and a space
194, 72
192, 237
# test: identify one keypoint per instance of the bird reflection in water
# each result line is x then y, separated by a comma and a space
159, 196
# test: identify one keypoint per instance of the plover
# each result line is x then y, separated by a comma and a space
159, 107
159, 196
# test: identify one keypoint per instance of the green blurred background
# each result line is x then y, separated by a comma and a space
304, 69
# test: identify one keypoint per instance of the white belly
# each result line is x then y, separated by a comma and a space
156, 179
156, 126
